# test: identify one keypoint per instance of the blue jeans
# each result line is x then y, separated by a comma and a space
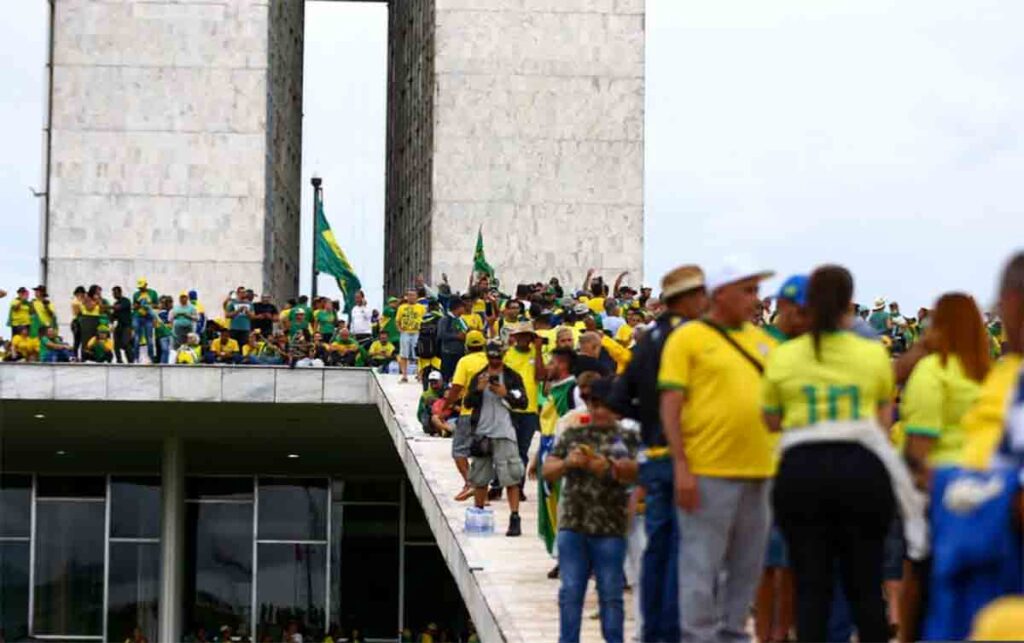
578, 555
659, 584
165, 350
140, 326
840, 620
56, 356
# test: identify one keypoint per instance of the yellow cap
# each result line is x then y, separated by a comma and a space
475, 339
141, 282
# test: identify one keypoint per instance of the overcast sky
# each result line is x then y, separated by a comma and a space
887, 136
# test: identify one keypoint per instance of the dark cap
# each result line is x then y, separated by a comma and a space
495, 348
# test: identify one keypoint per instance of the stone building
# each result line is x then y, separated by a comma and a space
175, 130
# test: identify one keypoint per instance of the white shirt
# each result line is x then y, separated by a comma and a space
362, 320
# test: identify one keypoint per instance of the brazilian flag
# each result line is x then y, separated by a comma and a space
331, 260
480, 265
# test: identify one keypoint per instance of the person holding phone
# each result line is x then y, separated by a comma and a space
495, 392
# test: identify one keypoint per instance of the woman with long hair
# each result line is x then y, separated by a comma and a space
830, 393
943, 386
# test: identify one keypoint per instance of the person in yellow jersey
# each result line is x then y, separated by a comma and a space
24, 347
722, 454
20, 312
471, 363
983, 423
99, 348
940, 390
830, 393
526, 358
409, 317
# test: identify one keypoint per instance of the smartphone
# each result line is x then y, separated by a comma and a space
494, 379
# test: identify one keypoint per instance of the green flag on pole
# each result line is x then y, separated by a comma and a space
332, 261
480, 265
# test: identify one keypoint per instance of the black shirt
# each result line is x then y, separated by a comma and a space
266, 326
636, 392
122, 311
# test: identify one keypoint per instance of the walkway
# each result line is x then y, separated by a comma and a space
510, 573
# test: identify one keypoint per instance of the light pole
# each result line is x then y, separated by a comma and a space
318, 193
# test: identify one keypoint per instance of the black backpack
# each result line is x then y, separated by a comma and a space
427, 346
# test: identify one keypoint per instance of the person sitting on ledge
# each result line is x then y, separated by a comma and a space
223, 350
100, 348
53, 349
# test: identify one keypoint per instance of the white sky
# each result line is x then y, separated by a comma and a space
886, 136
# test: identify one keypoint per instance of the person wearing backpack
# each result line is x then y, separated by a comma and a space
428, 347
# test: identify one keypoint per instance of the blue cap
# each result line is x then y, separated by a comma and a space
794, 290
193, 295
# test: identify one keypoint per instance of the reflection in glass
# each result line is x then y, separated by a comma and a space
218, 564
15, 505
368, 599
134, 507
69, 567
14, 590
293, 509
291, 586
134, 590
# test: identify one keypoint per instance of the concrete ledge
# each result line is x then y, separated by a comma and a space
171, 383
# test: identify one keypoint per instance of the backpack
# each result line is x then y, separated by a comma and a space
427, 345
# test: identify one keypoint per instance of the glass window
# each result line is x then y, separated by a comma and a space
14, 561
218, 488
293, 509
15, 506
367, 490
218, 564
69, 567
368, 569
134, 507
71, 487
291, 586
133, 591
431, 595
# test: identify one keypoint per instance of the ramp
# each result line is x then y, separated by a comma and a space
502, 580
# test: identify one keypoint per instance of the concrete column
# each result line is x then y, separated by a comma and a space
172, 539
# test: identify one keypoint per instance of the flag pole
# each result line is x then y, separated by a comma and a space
318, 194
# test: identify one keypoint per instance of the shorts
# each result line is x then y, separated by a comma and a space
461, 437
407, 345
892, 558
777, 555
503, 463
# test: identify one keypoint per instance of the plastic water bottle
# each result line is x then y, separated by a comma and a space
487, 528
473, 522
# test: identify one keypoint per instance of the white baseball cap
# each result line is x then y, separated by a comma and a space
434, 375
733, 269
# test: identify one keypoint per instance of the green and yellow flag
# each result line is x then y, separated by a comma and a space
331, 260
480, 265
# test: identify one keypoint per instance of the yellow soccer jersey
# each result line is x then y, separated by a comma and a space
983, 423
849, 381
723, 428
522, 362
468, 366
934, 402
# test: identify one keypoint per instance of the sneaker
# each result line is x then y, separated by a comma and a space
553, 574
514, 526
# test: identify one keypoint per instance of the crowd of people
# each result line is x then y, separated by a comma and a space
835, 470
840, 469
